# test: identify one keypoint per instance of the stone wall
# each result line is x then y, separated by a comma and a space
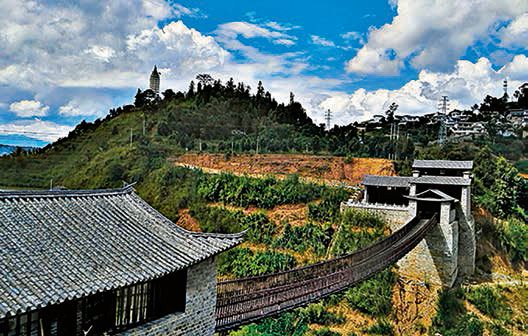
435, 259
395, 215
199, 315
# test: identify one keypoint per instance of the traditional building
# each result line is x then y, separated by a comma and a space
102, 262
155, 80
437, 187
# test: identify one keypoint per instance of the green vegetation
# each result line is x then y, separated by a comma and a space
489, 301
310, 236
452, 319
325, 332
219, 219
263, 193
242, 262
289, 323
381, 327
349, 239
513, 235
318, 313
373, 296
327, 210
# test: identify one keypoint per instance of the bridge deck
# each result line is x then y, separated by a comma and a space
245, 300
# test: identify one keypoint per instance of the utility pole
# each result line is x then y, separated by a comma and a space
144, 124
505, 87
328, 118
442, 114
257, 151
131, 137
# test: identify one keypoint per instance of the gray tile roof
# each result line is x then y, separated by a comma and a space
442, 164
386, 181
445, 180
61, 245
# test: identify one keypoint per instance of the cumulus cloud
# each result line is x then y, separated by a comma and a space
465, 85
36, 128
29, 108
374, 61
433, 34
516, 33
41, 43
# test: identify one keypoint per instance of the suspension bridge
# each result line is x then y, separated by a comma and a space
243, 301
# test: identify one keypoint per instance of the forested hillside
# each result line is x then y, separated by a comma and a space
292, 222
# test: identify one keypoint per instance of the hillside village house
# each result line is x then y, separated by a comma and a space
102, 262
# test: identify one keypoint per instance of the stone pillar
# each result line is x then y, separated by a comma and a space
444, 247
465, 197
365, 195
413, 206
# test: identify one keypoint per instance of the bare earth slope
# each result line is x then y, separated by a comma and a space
329, 169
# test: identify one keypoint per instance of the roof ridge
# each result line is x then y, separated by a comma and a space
66, 192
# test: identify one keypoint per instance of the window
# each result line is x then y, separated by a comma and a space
20, 325
131, 305
150, 300
109, 311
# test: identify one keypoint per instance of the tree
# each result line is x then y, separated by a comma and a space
190, 92
205, 79
139, 99
522, 96
169, 95
391, 111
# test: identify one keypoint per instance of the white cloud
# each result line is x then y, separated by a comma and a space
231, 30
374, 61
516, 33
321, 41
102, 53
41, 43
466, 85
517, 69
36, 128
29, 108
353, 35
432, 34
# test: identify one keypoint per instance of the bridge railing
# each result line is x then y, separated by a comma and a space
242, 300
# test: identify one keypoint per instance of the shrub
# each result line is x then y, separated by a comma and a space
489, 301
497, 329
373, 296
264, 193
513, 235
242, 262
381, 327
317, 313
328, 210
325, 332
302, 238
449, 308
219, 219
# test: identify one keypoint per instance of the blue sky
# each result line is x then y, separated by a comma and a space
64, 61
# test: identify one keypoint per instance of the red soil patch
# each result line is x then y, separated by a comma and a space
186, 221
321, 168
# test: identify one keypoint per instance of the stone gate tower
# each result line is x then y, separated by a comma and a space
155, 80
437, 187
